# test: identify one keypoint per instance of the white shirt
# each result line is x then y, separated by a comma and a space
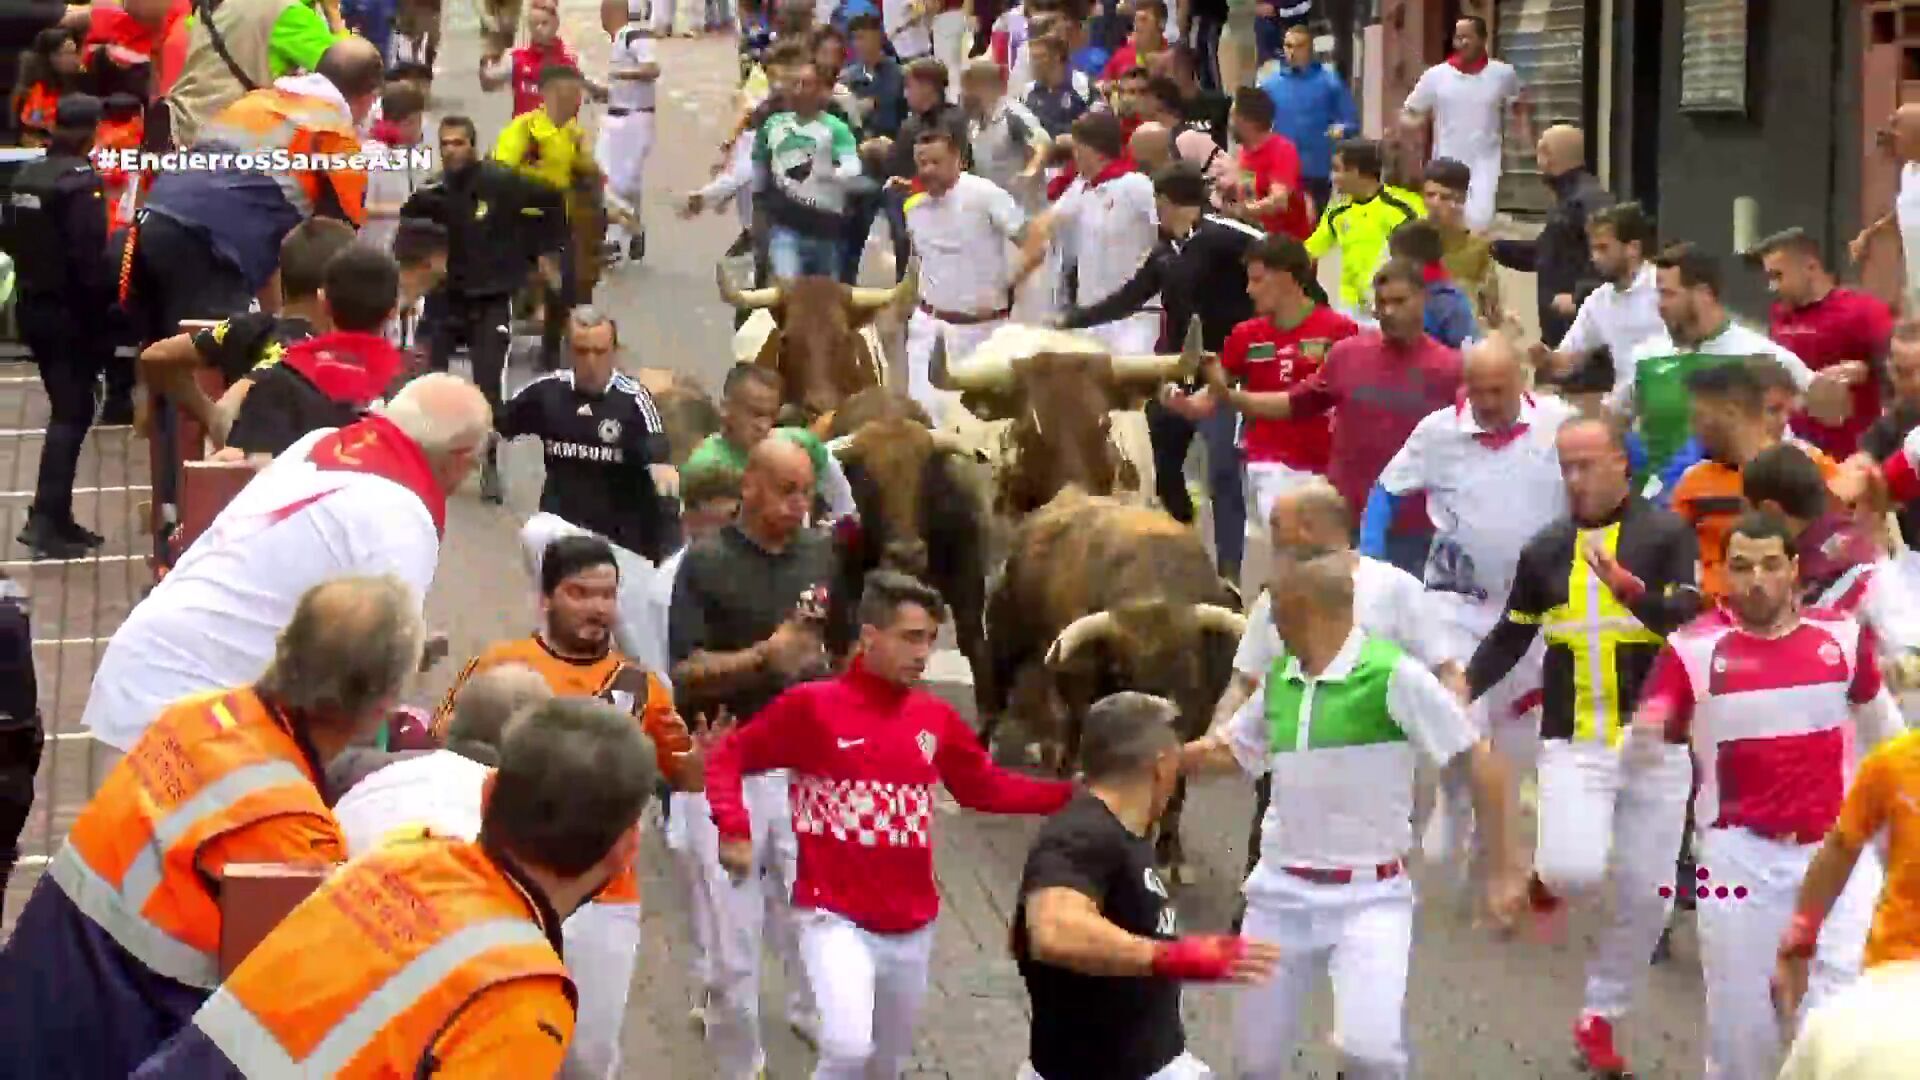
1388, 602
1113, 228
1618, 319
1486, 502
212, 622
962, 241
1469, 111
1735, 340
911, 37
1907, 211
439, 792
387, 191
1003, 143
1864, 1032
1345, 807
633, 48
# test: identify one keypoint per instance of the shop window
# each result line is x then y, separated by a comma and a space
1713, 56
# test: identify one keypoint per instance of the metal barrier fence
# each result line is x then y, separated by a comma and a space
76, 603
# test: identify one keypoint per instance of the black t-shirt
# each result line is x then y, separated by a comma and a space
1882, 441
245, 342
1090, 1027
1206, 112
732, 594
598, 447
281, 409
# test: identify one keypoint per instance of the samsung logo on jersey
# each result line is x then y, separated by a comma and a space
574, 451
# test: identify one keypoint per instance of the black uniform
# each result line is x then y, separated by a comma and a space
67, 286
1200, 274
598, 447
498, 223
21, 734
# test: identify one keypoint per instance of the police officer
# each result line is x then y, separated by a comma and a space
66, 287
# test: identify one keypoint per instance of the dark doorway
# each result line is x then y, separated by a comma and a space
1643, 104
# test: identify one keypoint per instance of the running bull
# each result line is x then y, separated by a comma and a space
1075, 410
920, 512
823, 337
1098, 596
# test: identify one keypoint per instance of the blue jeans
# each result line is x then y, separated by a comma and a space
797, 254
865, 209
1171, 434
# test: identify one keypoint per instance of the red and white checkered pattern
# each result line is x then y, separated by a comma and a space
870, 813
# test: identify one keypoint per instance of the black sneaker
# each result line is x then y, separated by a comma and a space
78, 533
43, 539
637, 247
741, 245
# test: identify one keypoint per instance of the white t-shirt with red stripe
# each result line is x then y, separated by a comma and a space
1769, 718
212, 621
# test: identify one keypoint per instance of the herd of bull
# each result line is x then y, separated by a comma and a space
1096, 590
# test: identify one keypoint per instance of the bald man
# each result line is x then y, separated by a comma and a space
1335, 897
1151, 146
747, 621
1904, 219
1559, 256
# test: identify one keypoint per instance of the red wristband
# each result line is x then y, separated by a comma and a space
1801, 937
1199, 958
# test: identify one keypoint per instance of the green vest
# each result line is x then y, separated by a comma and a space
1662, 403
1346, 712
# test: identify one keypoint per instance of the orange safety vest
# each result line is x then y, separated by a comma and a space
209, 766
38, 107
600, 678
119, 135
408, 936
270, 119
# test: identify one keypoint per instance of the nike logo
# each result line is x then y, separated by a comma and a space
845, 743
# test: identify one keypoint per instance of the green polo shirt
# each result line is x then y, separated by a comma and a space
716, 452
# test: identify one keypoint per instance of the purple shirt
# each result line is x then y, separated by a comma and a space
1379, 391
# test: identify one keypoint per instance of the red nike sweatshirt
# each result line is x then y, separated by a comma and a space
865, 754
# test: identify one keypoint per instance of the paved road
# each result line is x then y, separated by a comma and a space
1480, 1010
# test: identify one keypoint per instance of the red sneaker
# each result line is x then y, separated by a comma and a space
1549, 924
1593, 1045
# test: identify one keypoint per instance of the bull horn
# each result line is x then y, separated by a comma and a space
1079, 633
976, 373
864, 299
937, 363
748, 300
1224, 620
1159, 368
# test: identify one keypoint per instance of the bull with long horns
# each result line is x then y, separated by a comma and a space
819, 334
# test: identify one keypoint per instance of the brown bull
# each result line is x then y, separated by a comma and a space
917, 512
686, 410
817, 344
1059, 390
1099, 596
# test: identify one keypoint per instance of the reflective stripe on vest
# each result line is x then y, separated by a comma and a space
1592, 626
289, 117
255, 1051
119, 910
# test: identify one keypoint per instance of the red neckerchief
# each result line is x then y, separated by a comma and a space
1435, 274
375, 447
1494, 440
1058, 186
350, 368
388, 133
1466, 68
1112, 170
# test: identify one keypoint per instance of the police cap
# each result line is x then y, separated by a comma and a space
78, 111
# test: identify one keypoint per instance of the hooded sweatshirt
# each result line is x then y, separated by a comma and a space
322, 382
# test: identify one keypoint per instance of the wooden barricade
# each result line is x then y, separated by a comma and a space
254, 898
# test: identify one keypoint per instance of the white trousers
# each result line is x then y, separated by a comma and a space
1184, 1067
1136, 335
603, 943
762, 905
622, 149
1361, 935
1739, 937
1482, 188
923, 330
952, 36
1604, 819
1267, 481
695, 845
869, 988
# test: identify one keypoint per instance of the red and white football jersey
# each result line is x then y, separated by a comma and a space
1770, 719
